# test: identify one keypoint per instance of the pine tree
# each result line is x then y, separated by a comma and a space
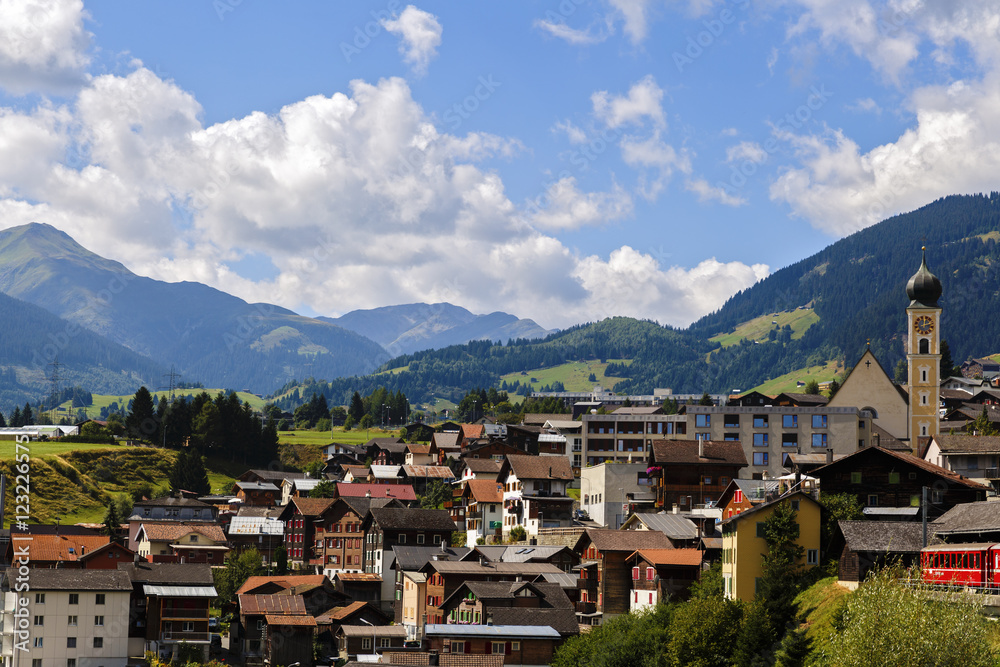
3, 422
189, 473
141, 421
27, 418
794, 649
112, 520
357, 409
947, 365
834, 388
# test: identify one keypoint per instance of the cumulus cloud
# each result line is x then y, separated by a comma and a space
420, 36
43, 46
575, 134
635, 15
643, 101
558, 29
565, 207
746, 150
707, 192
656, 161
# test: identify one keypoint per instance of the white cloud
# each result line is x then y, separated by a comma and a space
656, 161
570, 35
573, 133
866, 105
772, 60
563, 206
420, 35
707, 192
634, 13
746, 150
643, 101
43, 46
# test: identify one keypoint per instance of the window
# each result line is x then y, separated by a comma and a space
872, 500
39, 598
760, 458
731, 421
99, 599
635, 574
707, 481
98, 620
972, 464
894, 478
38, 642
738, 496
499, 648
923, 373
74, 598
789, 421
812, 557
457, 647
515, 646
789, 439
72, 620
760, 439
188, 626
36, 662
855, 478
366, 643
71, 662
760, 421
420, 538
71, 642
731, 436
650, 574
437, 539
819, 421
703, 421
401, 540
937, 496
795, 505
760, 529
819, 440
39, 620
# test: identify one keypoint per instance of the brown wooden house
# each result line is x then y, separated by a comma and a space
694, 472
662, 574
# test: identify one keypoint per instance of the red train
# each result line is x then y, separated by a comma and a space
972, 565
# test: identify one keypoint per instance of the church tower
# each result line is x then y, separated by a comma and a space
923, 352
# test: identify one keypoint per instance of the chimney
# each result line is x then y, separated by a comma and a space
368, 493
701, 448
829, 455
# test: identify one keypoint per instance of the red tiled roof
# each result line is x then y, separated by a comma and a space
397, 491
485, 490
473, 431
57, 547
285, 581
670, 556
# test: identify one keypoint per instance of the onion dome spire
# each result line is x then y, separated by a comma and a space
924, 288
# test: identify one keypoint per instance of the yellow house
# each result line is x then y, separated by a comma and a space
743, 545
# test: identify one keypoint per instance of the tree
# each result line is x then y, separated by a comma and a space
94, 430
703, 632
812, 387
779, 582
628, 640
436, 493
947, 364
357, 409
189, 473
141, 421
518, 534
240, 566
711, 583
3, 422
27, 418
348, 423
887, 623
902, 371
112, 520
836, 507
325, 489
281, 559
15, 418
834, 388
982, 425
794, 649
705, 399
366, 421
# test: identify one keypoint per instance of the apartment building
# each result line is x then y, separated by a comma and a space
627, 435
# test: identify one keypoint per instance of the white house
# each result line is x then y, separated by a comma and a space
534, 492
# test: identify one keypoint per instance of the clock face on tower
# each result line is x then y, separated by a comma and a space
923, 325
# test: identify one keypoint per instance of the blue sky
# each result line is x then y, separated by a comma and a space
564, 161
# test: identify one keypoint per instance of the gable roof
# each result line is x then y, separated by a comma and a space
801, 400
436, 472
311, 506
979, 517
608, 539
258, 605
754, 490
73, 579
190, 574
539, 418
446, 440
719, 452
271, 475
410, 558
110, 546
61, 547
393, 518
883, 536
674, 526
473, 431
283, 581
797, 495
395, 445
172, 501
526, 466
971, 444
856, 457
867, 385
174, 530
655, 557
482, 465
402, 492
485, 490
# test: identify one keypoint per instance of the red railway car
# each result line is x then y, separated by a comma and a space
973, 565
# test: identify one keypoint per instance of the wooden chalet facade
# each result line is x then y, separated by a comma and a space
694, 472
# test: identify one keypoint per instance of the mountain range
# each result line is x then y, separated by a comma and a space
205, 334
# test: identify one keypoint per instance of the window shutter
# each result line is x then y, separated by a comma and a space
506, 648
468, 647
635, 574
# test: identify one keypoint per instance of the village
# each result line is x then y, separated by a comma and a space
554, 526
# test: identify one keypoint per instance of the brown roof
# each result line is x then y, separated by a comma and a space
803, 400
340, 613
311, 506
670, 556
446, 440
419, 449
608, 539
885, 537
473, 431
485, 490
978, 444
284, 581
437, 472
60, 547
272, 604
722, 452
526, 466
358, 576
539, 418
482, 465
394, 518
175, 530
304, 621
910, 459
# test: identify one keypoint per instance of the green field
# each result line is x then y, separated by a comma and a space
788, 381
54, 448
757, 328
574, 375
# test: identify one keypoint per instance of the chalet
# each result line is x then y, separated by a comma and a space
386, 527
107, 557
744, 547
974, 456
561, 556
418, 432
477, 468
339, 536
980, 368
534, 493
50, 550
483, 503
169, 605
411, 582
495, 449
968, 522
359, 586
334, 449
659, 575
384, 474
355, 473
300, 517
274, 630
318, 593
750, 399
873, 544
264, 533
182, 542
958, 419
354, 640
419, 455
516, 644
402, 492
271, 476
883, 478
509, 603
694, 472
421, 476
605, 577
356, 613
743, 494
297, 488
789, 399
386, 451
471, 432
261, 494
524, 438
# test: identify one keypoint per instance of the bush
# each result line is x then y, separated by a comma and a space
518, 534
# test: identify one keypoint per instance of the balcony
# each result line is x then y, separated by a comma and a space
196, 637
585, 607
586, 584
184, 613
